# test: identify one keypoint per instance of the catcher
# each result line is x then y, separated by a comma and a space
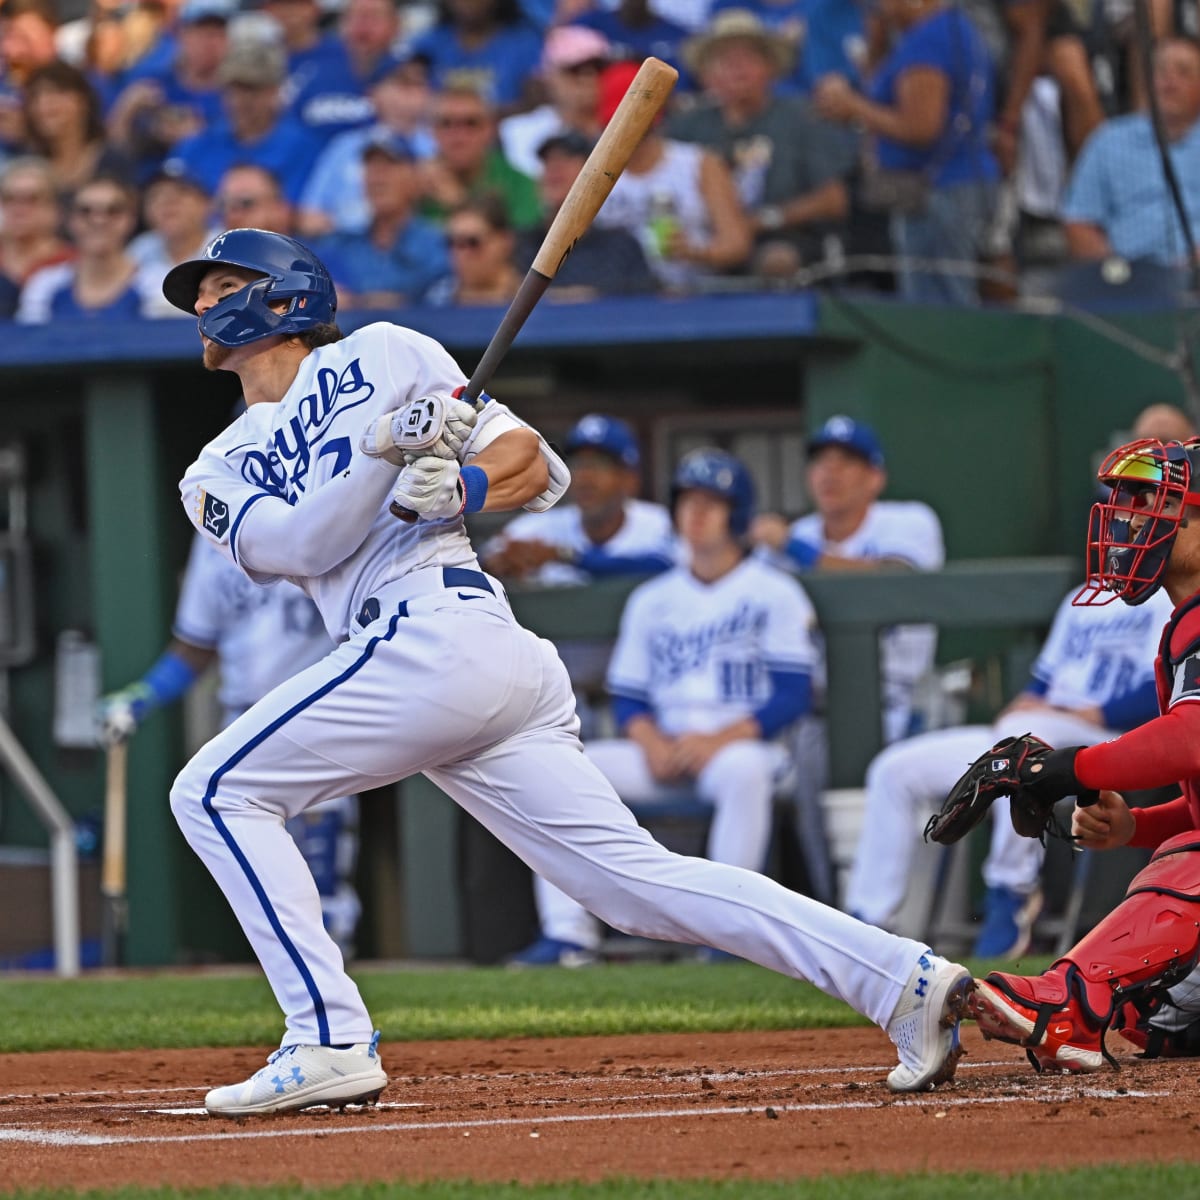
1135, 971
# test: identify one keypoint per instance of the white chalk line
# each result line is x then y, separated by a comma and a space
535, 1123
532, 1079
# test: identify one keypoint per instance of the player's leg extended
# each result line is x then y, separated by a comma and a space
905, 783
554, 808
1151, 938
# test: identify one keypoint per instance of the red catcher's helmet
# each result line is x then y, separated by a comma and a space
1130, 534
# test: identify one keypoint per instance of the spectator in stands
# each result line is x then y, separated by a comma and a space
65, 126
835, 39
163, 103
571, 64
330, 75
27, 29
481, 243
251, 197
635, 30
470, 163
1092, 681
103, 281
602, 530
254, 127
399, 256
713, 662
333, 197
485, 45
790, 169
29, 223
1118, 201
928, 110
851, 529
178, 219
1166, 422
679, 199
604, 262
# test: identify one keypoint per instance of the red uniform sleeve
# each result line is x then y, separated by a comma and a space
1165, 750
1154, 825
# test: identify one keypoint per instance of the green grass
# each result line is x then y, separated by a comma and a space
1096, 1183
164, 1011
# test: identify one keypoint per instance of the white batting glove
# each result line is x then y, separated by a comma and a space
433, 426
430, 487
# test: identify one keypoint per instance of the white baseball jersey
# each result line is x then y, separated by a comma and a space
901, 529
647, 530
262, 636
699, 653
1096, 652
433, 674
309, 440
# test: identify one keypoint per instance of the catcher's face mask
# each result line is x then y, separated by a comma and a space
1130, 534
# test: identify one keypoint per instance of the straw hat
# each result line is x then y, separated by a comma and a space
740, 24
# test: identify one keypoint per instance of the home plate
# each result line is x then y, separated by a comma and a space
203, 1112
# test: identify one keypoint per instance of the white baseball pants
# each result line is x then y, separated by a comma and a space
739, 782
445, 682
908, 781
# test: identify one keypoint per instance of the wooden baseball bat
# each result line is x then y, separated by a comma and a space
639, 106
112, 872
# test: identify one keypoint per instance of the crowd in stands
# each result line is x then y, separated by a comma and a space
954, 144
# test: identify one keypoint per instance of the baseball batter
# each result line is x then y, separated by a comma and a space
1093, 679
432, 674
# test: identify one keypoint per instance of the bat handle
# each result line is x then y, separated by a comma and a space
401, 513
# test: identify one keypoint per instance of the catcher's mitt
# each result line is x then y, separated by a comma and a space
1024, 768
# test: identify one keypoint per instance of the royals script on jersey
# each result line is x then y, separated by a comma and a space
699, 653
291, 449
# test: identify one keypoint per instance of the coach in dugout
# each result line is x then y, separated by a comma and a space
851, 529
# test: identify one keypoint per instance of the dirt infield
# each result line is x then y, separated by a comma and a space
774, 1105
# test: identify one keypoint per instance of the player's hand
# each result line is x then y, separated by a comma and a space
120, 713
431, 427
1104, 825
769, 529
430, 487
694, 751
662, 759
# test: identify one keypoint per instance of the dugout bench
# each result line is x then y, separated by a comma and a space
452, 912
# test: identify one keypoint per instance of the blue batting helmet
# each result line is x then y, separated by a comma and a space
723, 475
606, 434
290, 272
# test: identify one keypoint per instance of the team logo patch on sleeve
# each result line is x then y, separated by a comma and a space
215, 516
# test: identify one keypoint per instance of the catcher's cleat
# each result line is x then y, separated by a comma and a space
298, 1077
1041, 1013
924, 1026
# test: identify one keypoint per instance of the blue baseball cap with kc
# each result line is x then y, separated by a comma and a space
607, 434
851, 435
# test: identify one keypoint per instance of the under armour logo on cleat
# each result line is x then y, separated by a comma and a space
281, 1083
922, 985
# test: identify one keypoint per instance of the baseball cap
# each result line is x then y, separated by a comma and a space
850, 435
609, 435
566, 141
254, 64
192, 12
570, 45
389, 143
614, 83
174, 170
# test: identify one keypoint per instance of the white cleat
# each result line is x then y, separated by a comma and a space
924, 1026
302, 1076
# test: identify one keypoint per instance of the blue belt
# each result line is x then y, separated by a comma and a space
452, 577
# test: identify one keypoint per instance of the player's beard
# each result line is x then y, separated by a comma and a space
215, 356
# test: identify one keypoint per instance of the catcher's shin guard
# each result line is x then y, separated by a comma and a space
1152, 937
